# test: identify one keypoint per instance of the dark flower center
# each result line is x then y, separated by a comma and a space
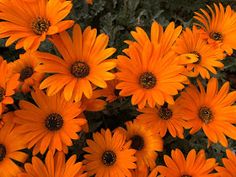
108, 158
137, 142
26, 73
80, 69
54, 122
165, 113
186, 176
117, 92
147, 80
199, 57
3, 152
2, 93
40, 25
205, 114
216, 36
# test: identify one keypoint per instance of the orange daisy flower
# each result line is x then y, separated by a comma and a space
89, 1
194, 165
55, 165
154, 80
51, 123
25, 66
158, 36
111, 93
218, 26
212, 110
85, 127
6, 118
109, 155
200, 57
143, 172
140, 171
145, 141
164, 118
8, 83
83, 64
153, 173
229, 169
10, 145
1, 123
93, 104
29, 23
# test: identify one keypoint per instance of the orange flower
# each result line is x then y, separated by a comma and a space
84, 63
94, 103
85, 127
89, 1
212, 110
54, 166
165, 38
1, 123
8, 117
229, 169
140, 171
145, 141
8, 83
143, 172
52, 124
195, 165
109, 155
10, 145
154, 80
29, 23
25, 66
199, 57
218, 26
153, 173
111, 93
164, 118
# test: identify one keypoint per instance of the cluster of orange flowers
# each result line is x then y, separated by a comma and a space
154, 70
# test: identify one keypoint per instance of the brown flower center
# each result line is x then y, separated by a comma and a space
186, 176
2, 93
3, 152
216, 36
137, 142
80, 69
54, 122
40, 25
165, 113
205, 114
147, 80
199, 57
26, 73
108, 158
